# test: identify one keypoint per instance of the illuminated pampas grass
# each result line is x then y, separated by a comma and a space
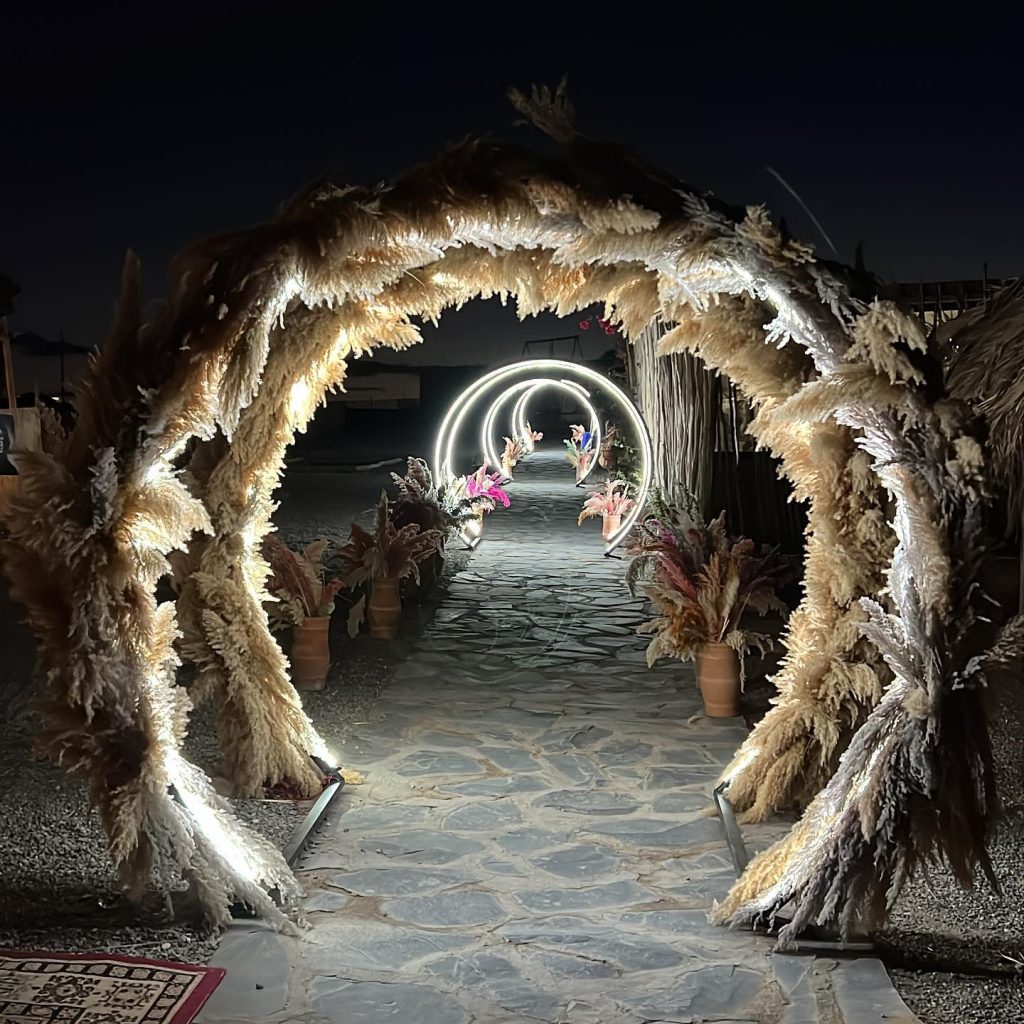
260, 323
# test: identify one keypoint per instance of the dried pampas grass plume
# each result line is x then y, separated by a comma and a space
261, 323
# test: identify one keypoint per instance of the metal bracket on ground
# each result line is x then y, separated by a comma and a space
809, 941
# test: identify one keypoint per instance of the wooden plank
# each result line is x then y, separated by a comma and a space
12, 394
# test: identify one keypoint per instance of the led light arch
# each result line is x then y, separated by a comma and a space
558, 369
519, 420
529, 387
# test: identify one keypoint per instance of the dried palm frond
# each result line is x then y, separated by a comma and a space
389, 553
700, 579
299, 577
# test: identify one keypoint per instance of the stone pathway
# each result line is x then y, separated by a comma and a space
533, 841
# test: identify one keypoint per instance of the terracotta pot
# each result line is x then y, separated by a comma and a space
384, 610
610, 524
718, 673
311, 653
606, 460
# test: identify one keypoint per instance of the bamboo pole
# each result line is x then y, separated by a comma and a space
12, 394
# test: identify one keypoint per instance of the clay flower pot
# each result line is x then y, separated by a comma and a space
606, 460
718, 674
610, 524
311, 653
384, 609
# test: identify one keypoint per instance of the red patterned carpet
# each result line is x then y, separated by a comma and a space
98, 988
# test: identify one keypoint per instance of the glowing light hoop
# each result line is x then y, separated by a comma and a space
519, 418
519, 421
531, 386
459, 409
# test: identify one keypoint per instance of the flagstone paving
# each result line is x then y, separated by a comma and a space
533, 841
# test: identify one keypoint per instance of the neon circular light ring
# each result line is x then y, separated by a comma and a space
459, 409
530, 387
519, 418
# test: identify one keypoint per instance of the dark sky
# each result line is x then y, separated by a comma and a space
150, 128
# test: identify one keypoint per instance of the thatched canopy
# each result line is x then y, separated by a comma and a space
987, 371
260, 323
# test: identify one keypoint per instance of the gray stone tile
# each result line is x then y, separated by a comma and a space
601, 943
865, 993
430, 762
565, 965
256, 983
357, 944
383, 816
374, 1002
680, 803
324, 902
578, 862
672, 777
713, 993
421, 847
441, 738
495, 978
576, 768
623, 752
565, 772
661, 835
598, 897
593, 801
445, 910
530, 840
500, 785
484, 816
395, 881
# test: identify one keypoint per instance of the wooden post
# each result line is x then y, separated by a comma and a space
12, 395
1020, 565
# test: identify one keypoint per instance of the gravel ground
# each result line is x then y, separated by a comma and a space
955, 954
58, 890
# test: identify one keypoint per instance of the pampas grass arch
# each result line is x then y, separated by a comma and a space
184, 423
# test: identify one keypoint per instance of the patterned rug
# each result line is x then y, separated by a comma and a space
97, 988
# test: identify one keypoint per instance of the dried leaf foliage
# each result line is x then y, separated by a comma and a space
260, 323
700, 581
389, 553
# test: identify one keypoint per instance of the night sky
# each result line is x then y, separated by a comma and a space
171, 122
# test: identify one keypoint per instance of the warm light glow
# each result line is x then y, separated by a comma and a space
298, 397
460, 408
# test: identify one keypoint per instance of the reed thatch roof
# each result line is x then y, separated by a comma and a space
987, 371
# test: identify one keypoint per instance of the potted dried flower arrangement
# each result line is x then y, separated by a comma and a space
701, 581
383, 559
608, 457
305, 600
418, 504
611, 504
578, 450
511, 455
530, 438
484, 493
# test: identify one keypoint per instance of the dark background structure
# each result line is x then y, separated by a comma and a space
149, 128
